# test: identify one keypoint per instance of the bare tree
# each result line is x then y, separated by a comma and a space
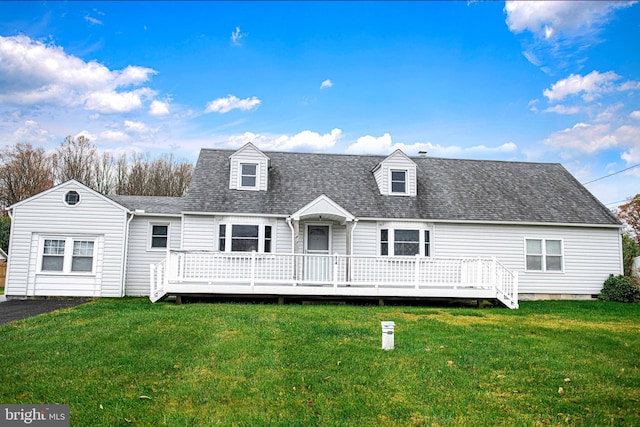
104, 180
76, 158
24, 171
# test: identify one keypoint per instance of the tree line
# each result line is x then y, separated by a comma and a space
26, 170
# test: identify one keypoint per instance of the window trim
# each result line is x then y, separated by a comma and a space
241, 175
406, 182
68, 256
227, 239
544, 255
150, 236
423, 245
66, 203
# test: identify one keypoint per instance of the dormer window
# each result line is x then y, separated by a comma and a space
398, 181
397, 175
249, 175
249, 169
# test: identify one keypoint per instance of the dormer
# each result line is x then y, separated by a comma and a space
396, 175
249, 169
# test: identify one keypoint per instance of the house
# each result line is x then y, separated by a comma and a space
281, 223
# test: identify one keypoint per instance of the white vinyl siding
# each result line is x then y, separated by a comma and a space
282, 237
589, 254
365, 238
47, 214
199, 233
140, 254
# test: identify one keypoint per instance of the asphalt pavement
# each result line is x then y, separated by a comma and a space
11, 310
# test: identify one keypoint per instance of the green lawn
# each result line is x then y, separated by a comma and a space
130, 362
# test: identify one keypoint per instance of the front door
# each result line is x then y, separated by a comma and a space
318, 265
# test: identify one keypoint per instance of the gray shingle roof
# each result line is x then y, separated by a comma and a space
152, 204
448, 189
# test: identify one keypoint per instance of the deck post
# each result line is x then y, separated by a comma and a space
494, 273
253, 270
515, 289
417, 271
167, 267
335, 270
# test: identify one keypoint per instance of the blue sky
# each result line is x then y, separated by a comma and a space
525, 81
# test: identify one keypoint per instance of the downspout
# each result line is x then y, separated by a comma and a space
293, 248
355, 224
125, 253
350, 265
293, 235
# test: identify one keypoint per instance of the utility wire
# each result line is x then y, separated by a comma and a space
615, 203
611, 174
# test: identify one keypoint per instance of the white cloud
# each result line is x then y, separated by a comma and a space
136, 126
302, 140
561, 109
546, 18
592, 85
90, 136
31, 132
326, 84
92, 20
590, 138
556, 34
383, 145
158, 108
609, 114
114, 136
118, 102
224, 105
371, 145
631, 136
35, 73
236, 36
635, 115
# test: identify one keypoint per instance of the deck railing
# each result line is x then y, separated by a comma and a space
260, 269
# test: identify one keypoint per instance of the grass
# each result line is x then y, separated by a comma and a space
130, 362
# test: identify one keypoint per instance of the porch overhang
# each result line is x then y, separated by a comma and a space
325, 208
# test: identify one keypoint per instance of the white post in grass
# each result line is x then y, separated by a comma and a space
387, 335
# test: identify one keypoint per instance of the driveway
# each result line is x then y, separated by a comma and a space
21, 309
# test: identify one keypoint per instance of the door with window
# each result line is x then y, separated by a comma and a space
318, 261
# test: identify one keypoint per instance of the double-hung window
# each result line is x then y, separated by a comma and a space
404, 242
544, 255
68, 255
159, 236
244, 238
248, 175
398, 182
82, 259
53, 255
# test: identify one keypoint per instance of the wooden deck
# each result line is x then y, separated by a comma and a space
251, 273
